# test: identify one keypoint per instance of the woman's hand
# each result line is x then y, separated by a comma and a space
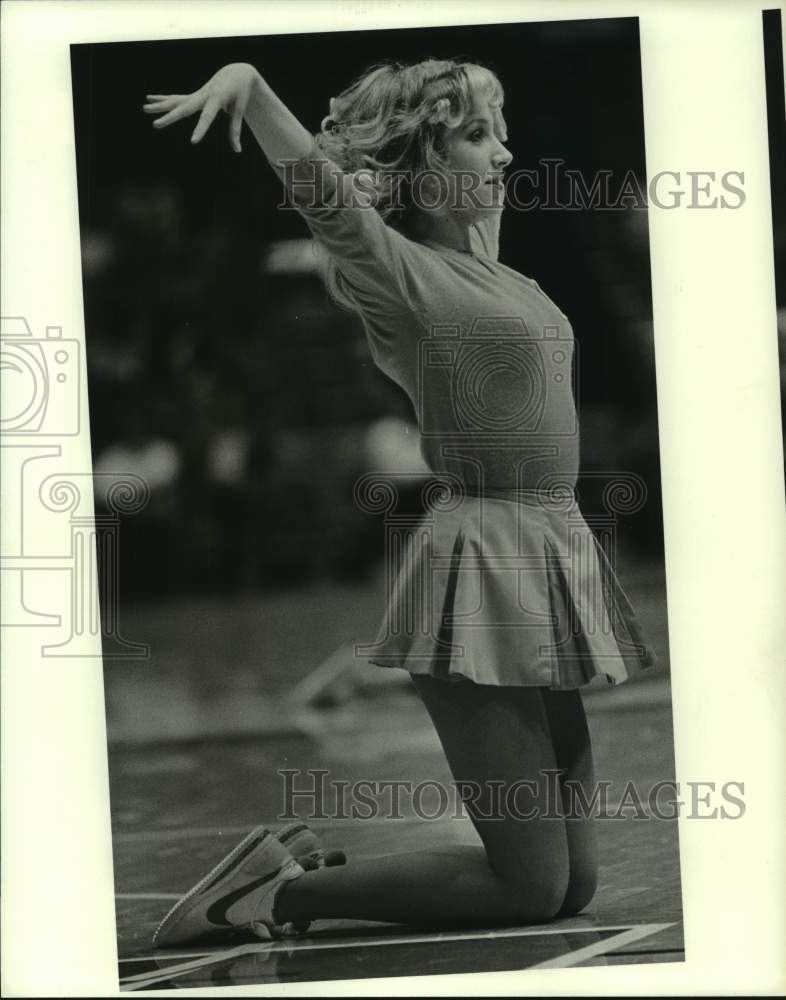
228, 90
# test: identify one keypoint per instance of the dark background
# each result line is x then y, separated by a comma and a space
245, 397
776, 129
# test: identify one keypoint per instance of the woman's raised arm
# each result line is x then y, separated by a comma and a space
372, 254
239, 90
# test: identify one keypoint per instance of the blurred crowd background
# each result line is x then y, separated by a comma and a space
220, 371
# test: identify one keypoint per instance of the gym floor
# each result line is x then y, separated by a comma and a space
178, 808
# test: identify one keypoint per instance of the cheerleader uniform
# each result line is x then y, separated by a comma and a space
502, 582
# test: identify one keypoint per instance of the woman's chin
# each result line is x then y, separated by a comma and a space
476, 213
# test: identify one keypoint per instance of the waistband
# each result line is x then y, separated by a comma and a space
559, 498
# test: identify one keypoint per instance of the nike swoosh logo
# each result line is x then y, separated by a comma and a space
217, 911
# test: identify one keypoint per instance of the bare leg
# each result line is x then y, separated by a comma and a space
568, 724
519, 875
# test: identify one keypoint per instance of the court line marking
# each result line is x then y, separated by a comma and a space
178, 895
160, 956
135, 836
292, 945
597, 948
167, 896
148, 895
535, 931
148, 978
335, 823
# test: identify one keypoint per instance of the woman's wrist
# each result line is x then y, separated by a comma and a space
260, 89
278, 132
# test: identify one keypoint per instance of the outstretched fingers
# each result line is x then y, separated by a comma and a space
174, 108
236, 124
209, 112
156, 104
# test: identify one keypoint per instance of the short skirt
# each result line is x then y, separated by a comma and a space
509, 588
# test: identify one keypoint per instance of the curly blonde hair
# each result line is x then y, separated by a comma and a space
392, 122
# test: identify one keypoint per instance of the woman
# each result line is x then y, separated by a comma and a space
403, 192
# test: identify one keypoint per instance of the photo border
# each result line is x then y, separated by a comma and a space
721, 462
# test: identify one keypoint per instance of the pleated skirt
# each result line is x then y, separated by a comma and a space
509, 588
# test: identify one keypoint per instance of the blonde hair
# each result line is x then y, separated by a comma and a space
392, 121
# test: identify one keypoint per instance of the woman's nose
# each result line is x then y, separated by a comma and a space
502, 157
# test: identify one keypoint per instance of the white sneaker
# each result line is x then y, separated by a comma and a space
240, 892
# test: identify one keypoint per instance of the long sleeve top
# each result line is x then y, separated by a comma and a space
482, 353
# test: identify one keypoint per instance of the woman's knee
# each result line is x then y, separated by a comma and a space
540, 897
580, 892
538, 880
583, 868
548, 888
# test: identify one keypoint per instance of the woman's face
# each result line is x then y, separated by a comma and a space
476, 161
